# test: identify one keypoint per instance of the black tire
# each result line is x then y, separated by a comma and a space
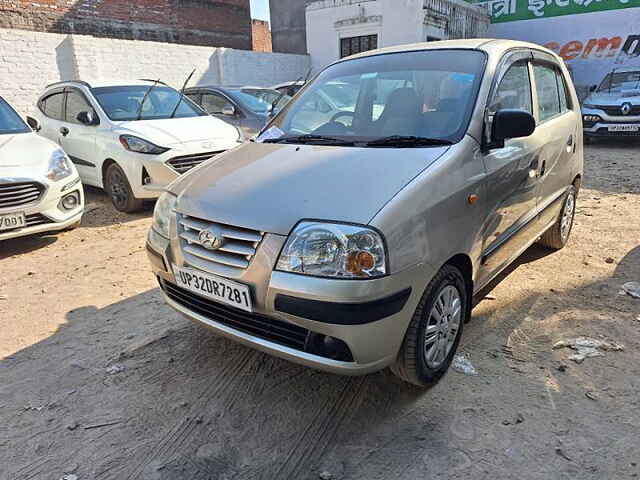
412, 364
558, 235
119, 190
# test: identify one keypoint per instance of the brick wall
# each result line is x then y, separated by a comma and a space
221, 23
31, 60
261, 35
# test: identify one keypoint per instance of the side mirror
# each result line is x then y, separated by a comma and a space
229, 110
511, 124
34, 123
87, 118
592, 88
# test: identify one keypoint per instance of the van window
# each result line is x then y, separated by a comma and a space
51, 106
514, 91
547, 89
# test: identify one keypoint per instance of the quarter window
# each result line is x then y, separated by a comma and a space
76, 103
514, 91
565, 103
51, 106
353, 45
547, 88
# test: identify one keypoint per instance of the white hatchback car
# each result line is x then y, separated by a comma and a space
40, 190
130, 138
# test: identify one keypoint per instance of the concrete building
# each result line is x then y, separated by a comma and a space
288, 26
339, 28
219, 23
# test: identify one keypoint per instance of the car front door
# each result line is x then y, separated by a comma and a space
80, 140
511, 182
558, 122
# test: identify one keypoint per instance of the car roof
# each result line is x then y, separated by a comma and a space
102, 83
229, 87
625, 70
490, 45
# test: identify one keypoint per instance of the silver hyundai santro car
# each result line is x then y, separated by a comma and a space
355, 240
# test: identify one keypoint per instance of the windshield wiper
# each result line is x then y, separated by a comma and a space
184, 85
311, 139
407, 141
144, 99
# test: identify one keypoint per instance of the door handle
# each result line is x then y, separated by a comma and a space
570, 141
64, 131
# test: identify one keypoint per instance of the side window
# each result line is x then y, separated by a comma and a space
76, 103
547, 88
195, 97
514, 91
213, 103
51, 106
565, 104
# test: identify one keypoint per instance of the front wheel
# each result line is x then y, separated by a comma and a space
435, 330
119, 189
558, 235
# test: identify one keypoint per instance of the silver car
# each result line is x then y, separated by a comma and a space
613, 107
357, 243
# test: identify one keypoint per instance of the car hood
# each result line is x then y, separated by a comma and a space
171, 131
617, 98
270, 187
25, 155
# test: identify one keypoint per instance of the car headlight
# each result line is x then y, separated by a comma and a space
59, 166
163, 212
334, 250
138, 145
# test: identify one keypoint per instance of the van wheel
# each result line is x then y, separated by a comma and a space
118, 188
435, 330
558, 235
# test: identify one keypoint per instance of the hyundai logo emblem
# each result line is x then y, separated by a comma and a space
210, 239
626, 108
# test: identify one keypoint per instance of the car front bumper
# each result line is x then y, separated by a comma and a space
45, 215
369, 316
621, 126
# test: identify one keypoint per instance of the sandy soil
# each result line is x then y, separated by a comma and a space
100, 379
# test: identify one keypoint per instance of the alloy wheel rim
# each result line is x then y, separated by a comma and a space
117, 189
567, 217
443, 325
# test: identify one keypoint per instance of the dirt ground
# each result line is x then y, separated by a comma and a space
99, 379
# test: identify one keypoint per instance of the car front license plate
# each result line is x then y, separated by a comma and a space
213, 287
624, 128
10, 221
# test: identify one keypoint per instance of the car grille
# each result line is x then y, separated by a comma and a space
254, 324
238, 248
187, 162
616, 110
19, 194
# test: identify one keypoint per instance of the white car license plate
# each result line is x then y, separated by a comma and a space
213, 287
10, 221
624, 128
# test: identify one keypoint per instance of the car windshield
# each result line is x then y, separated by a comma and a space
10, 121
401, 99
258, 100
619, 81
123, 103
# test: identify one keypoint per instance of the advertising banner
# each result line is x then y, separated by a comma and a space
592, 44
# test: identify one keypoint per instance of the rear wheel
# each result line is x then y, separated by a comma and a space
558, 235
119, 189
435, 330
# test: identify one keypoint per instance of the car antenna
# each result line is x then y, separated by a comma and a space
144, 99
184, 85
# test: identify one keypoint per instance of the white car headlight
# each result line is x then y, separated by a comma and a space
163, 212
139, 145
59, 166
334, 250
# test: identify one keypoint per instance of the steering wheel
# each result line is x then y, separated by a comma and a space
341, 114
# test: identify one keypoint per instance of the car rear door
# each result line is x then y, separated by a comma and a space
558, 124
51, 106
79, 141
511, 182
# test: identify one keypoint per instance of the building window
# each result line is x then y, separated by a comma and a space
353, 45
